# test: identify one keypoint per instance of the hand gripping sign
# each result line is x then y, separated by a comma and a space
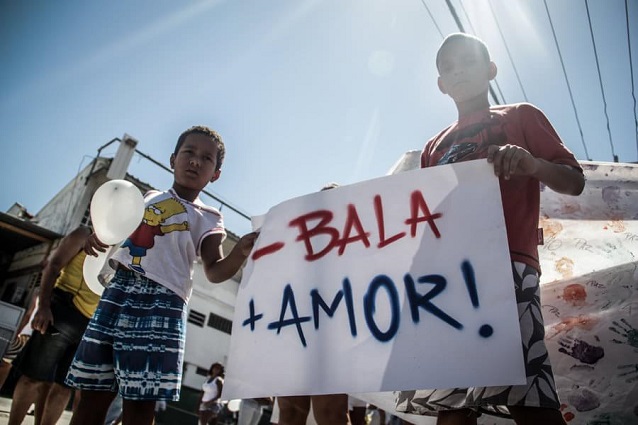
397, 283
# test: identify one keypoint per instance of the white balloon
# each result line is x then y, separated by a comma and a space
91, 269
117, 208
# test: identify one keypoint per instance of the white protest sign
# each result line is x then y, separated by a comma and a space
397, 283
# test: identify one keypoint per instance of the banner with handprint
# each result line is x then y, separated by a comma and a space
590, 298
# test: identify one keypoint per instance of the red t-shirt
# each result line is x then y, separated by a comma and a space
519, 124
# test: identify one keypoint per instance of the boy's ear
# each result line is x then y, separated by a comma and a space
441, 86
172, 161
216, 175
493, 71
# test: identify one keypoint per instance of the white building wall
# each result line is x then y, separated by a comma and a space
65, 210
31, 257
206, 345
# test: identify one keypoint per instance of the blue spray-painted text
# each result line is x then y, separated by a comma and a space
382, 289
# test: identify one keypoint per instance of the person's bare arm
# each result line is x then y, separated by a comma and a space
70, 245
27, 314
512, 160
219, 268
220, 386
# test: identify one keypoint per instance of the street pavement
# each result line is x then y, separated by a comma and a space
5, 407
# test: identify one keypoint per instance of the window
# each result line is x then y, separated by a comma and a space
201, 371
196, 318
86, 218
220, 323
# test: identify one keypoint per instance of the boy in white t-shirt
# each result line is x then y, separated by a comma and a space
134, 345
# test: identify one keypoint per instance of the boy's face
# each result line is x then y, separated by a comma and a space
194, 164
464, 73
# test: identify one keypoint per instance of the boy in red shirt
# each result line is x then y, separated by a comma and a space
525, 151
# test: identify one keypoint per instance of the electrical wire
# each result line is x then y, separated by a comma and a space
518, 78
600, 80
569, 89
432, 17
631, 72
467, 17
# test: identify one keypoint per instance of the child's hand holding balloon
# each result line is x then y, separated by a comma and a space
93, 246
117, 208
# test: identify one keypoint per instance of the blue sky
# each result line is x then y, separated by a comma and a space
303, 92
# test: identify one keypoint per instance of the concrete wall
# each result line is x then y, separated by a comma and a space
66, 209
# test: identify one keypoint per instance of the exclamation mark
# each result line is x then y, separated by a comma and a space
468, 274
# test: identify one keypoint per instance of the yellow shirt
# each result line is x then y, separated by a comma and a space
72, 281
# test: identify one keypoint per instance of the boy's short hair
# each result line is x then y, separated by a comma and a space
214, 136
465, 38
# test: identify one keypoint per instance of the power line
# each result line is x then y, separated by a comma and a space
520, 84
467, 16
432, 17
600, 80
631, 72
569, 89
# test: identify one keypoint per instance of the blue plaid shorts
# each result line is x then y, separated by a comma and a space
134, 344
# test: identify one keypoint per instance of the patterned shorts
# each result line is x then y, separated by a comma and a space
134, 342
540, 390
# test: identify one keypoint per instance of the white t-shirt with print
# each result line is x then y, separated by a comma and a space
169, 239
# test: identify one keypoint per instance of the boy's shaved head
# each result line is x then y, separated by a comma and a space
470, 40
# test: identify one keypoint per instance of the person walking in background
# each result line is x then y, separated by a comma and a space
65, 305
135, 342
209, 404
525, 150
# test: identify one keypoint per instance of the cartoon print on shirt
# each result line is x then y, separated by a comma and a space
472, 141
152, 225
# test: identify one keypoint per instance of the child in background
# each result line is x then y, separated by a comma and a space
134, 344
524, 149
209, 405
